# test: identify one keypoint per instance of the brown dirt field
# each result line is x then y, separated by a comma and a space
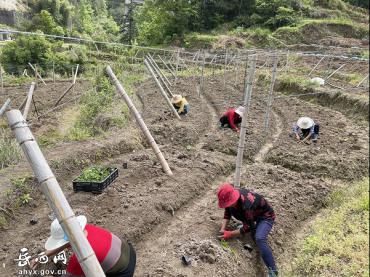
341, 152
166, 217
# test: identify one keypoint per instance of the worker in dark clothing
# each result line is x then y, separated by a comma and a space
232, 117
256, 215
306, 129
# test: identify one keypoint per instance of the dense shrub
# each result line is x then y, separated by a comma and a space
17, 54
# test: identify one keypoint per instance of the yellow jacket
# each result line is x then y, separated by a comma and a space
181, 105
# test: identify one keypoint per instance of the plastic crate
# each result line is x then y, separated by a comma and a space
96, 187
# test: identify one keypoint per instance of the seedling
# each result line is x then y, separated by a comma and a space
94, 174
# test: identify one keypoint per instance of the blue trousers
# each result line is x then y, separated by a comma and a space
263, 229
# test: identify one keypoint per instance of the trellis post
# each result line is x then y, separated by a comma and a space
5, 106
270, 96
54, 195
29, 99
140, 121
161, 89
243, 130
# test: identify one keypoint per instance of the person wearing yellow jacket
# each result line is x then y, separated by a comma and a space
180, 104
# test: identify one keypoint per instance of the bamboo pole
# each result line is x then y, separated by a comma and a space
270, 96
335, 71
201, 85
54, 195
152, 63
29, 100
161, 89
160, 70
165, 64
37, 74
2, 80
225, 67
177, 65
160, 76
363, 80
313, 69
5, 106
140, 121
69, 88
246, 105
53, 72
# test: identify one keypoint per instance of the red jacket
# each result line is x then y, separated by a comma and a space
233, 118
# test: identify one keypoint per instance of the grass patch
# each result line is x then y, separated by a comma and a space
200, 41
312, 30
339, 241
17, 196
10, 152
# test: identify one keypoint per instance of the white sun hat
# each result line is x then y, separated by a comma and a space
176, 98
317, 80
240, 111
305, 122
58, 238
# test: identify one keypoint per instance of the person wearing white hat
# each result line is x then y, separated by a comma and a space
232, 117
306, 129
117, 257
180, 104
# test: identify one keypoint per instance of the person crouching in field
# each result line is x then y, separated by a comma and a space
232, 117
117, 257
256, 215
306, 129
180, 104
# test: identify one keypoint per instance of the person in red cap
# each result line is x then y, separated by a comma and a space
256, 215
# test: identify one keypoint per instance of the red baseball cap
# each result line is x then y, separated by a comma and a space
227, 195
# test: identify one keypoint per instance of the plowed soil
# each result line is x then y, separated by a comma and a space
167, 217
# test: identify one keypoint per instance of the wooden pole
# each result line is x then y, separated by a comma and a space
236, 70
270, 96
165, 64
313, 69
225, 67
29, 100
335, 71
161, 89
5, 106
54, 195
69, 88
37, 74
159, 70
177, 65
140, 121
246, 105
159, 75
363, 80
53, 72
201, 85
2, 80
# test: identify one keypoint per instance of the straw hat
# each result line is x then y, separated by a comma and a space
58, 238
240, 111
176, 98
305, 123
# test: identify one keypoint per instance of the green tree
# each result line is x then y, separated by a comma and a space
17, 54
61, 10
45, 23
159, 21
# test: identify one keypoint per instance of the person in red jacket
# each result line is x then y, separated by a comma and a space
117, 257
232, 117
257, 217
